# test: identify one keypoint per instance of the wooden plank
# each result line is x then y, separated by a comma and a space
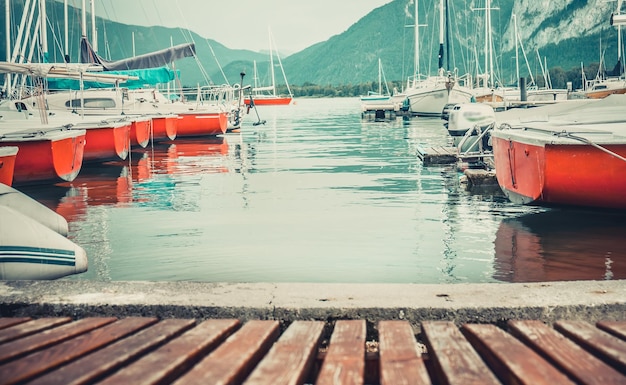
454, 359
31, 327
565, 354
88, 369
437, 155
345, 360
8, 321
617, 328
609, 348
176, 357
233, 360
291, 357
510, 359
48, 359
50, 337
401, 362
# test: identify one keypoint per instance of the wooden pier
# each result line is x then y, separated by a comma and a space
146, 350
437, 155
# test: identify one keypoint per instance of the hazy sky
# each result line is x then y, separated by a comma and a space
243, 24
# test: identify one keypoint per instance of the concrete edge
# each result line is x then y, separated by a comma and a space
286, 302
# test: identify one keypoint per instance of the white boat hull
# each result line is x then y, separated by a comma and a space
32, 251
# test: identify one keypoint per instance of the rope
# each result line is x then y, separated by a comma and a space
587, 141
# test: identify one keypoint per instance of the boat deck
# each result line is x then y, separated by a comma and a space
150, 350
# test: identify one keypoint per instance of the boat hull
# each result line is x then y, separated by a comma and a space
106, 143
140, 131
560, 174
202, 124
269, 101
428, 103
48, 157
601, 94
164, 127
31, 251
7, 164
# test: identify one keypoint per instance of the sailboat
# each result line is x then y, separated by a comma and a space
613, 82
427, 96
266, 95
381, 99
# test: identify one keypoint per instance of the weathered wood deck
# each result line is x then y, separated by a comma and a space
143, 350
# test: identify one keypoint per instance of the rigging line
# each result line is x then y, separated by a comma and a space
189, 38
589, 142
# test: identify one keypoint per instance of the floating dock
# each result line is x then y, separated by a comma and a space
437, 155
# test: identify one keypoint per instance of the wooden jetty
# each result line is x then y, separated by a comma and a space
437, 155
149, 350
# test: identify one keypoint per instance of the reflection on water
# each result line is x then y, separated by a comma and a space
314, 195
561, 245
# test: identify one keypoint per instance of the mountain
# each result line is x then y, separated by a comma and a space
566, 33
561, 33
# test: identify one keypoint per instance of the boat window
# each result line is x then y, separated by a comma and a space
92, 103
20, 106
600, 87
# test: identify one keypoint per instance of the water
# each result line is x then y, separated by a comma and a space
319, 195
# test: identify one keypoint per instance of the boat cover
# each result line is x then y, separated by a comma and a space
150, 60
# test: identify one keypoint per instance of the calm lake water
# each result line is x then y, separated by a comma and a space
319, 195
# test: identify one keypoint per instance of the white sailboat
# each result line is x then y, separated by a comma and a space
428, 95
615, 83
382, 99
266, 95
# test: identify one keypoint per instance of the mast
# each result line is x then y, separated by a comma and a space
447, 37
516, 50
44, 30
256, 77
84, 19
94, 33
66, 43
272, 63
619, 36
380, 78
416, 66
440, 36
7, 18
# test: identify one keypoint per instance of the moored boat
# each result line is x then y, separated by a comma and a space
267, 95
469, 121
106, 140
199, 122
31, 251
7, 164
46, 155
576, 156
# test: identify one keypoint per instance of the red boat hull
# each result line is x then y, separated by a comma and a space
202, 123
572, 175
104, 143
277, 101
164, 127
140, 132
7, 164
48, 160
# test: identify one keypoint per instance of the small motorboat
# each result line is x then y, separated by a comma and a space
31, 251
